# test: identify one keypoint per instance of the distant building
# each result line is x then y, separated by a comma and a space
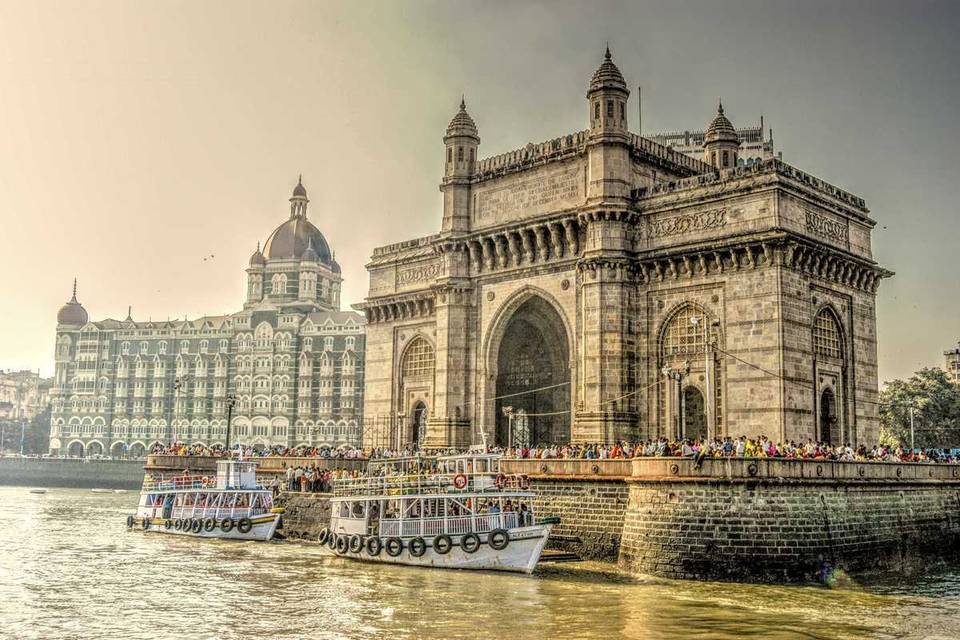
23, 395
754, 147
290, 359
951, 364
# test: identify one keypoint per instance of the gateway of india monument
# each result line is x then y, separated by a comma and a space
601, 286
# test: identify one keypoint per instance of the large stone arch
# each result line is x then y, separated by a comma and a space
530, 346
415, 385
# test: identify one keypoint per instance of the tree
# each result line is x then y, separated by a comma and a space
936, 409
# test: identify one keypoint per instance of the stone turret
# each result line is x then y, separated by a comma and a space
460, 147
721, 143
607, 98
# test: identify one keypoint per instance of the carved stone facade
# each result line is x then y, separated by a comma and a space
601, 286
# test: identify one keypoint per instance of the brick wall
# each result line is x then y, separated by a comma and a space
591, 514
305, 514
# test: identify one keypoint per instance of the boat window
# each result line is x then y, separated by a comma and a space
357, 509
344, 509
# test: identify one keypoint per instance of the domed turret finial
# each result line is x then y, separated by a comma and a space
74, 298
130, 313
72, 312
720, 106
607, 55
463, 102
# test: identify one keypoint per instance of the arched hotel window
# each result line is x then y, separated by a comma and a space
826, 335
418, 359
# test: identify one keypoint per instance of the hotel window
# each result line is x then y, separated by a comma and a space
144, 347
162, 347
328, 344
185, 346
609, 108
204, 345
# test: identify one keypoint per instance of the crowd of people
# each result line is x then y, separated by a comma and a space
761, 447
218, 451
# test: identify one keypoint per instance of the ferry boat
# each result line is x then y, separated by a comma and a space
229, 505
463, 514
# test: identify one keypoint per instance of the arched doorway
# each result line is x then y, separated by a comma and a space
534, 353
118, 449
828, 417
94, 449
75, 450
137, 450
418, 425
693, 417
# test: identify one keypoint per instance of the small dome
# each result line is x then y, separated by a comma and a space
257, 259
607, 75
292, 239
721, 129
462, 124
300, 191
72, 312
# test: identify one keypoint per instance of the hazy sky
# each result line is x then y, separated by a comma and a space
138, 137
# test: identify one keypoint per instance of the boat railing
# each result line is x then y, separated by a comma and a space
435, 483
201, 513
198, 482
455, 525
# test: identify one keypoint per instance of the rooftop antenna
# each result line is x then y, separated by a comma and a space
639, 111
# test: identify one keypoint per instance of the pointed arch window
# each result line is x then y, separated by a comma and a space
827, 340
418, 359
682, 335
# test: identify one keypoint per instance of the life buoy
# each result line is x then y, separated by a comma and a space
129, 521
356, 544
209, 525
442, 544
417, 547
460, 481
167, 523
226, 525
244, 525
498, 539
374, 545
332, 540
394, 546
470, 542
324, 534
342, 544
196, 526
501, 480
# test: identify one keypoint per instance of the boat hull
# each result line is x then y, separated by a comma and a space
262, 529
520, 555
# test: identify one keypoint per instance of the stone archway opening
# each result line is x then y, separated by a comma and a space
534, 353
829, 431
693, 415
137, 450
418, 424
75, 450
118, 450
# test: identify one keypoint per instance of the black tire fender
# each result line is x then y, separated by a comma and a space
498, 539
343, 543
324, 535
244, 525
470, 542
129, 522
226, 525
417, 547
209, 525
394, 546
356, 544
374, 545
442, 544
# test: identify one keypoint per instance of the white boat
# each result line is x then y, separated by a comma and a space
101, 491
38, 490
229, 505
462, 514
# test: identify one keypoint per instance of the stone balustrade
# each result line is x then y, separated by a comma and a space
734, 469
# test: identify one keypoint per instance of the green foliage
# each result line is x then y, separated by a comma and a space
936, 410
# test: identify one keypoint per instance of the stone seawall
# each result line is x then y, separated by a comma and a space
305, 514
761, 520
79, 473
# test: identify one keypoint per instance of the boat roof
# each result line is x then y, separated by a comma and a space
453, 496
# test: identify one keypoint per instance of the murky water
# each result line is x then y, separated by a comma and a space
70, 569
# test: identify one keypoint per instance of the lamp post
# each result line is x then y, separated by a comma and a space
179, 384
231, 401
508, 411
675, 376
23, 426
399, 430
